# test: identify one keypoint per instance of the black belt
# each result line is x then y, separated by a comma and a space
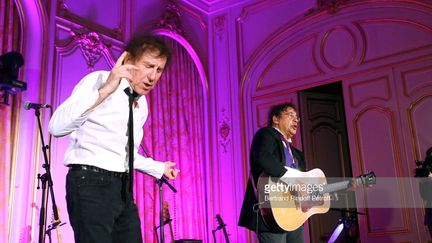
77, 167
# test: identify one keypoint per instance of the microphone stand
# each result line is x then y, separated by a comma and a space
160, 182
44, 179
215, 230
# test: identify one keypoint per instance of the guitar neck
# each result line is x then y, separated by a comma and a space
59, 238
225, 234
57, 223
222, 226
339, 186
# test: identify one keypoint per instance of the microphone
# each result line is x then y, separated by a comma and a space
28, 105
164, 179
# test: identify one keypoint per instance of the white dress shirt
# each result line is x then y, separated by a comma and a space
98, 137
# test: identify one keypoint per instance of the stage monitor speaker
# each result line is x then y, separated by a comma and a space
188, 241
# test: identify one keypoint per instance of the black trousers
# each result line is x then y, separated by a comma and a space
101, 209
296, 236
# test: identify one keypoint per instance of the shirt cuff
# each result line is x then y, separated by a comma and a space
149, 166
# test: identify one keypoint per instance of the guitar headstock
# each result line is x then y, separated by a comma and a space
222, 226
220, 221
368, 179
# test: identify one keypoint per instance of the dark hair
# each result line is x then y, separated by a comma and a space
424, 168
277, 110
140, 44
429, 152
428, 159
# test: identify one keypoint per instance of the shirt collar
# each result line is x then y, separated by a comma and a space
277, 129
124, 84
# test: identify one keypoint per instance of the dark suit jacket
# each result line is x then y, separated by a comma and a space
266, 155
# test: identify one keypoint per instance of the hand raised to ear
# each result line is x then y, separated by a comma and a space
119, 71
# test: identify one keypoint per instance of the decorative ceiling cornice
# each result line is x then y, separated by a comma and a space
171, 19
331, 6
213, 6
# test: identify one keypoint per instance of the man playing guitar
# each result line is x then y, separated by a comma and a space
272, 153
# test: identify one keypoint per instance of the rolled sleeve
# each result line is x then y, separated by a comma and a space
74, 111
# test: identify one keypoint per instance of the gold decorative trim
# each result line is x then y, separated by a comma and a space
410, 93
196, 15
391, 20
118, 33
415, 146
312, 38
399, 169
353, 52
373, 80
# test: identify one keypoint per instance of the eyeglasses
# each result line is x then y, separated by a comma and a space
292, 116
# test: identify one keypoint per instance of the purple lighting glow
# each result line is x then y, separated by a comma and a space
336, 232
234, 60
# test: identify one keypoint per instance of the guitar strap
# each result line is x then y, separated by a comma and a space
257, 211
253, 185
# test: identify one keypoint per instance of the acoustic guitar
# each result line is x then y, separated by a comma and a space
287, 203
55, 224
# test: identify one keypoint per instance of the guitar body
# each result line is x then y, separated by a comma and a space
287, 203
288, 214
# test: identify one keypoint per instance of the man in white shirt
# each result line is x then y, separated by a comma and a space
100, 205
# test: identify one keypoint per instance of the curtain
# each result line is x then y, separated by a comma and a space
9, 41
174, 132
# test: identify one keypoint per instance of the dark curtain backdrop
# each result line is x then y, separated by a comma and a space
174, 131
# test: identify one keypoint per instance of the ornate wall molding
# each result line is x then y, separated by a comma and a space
220, 26
331, 44
195, 14
331, 6
370, 54
224, 130
171, 19
252, 31
116, 31
91, 46
374, 89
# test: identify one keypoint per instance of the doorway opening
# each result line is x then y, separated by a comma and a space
325, 146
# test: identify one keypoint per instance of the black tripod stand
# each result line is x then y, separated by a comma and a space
44, 180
